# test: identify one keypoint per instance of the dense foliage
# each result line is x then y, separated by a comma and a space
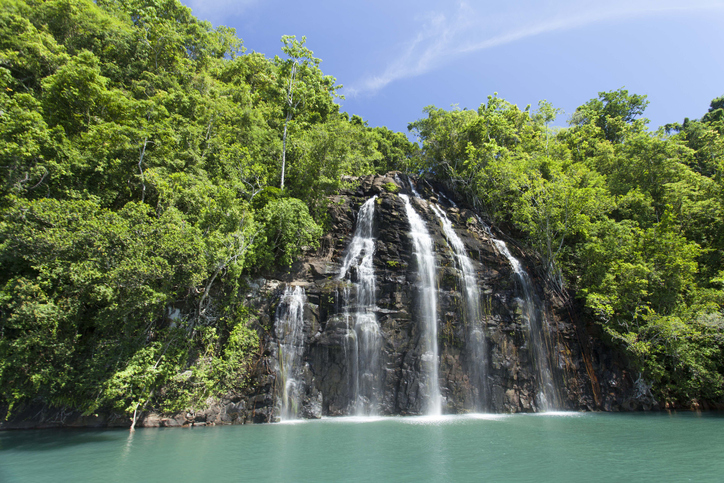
630, 220
150, 165
142, 156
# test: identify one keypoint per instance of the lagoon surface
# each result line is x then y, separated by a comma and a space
556, 447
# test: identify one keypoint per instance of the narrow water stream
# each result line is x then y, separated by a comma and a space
425, 258
360, 301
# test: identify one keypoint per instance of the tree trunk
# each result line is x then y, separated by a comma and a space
140, 168
290, 105
284, 147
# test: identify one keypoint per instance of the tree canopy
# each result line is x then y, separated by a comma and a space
151, 163
141, 151
631, 221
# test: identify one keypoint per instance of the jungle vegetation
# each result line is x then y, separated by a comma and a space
151, 165
628, 220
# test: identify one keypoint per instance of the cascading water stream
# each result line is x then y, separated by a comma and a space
423, 246
363, 329
448, 200
289, 331
547, 394
444, 199
473, 317
412, 188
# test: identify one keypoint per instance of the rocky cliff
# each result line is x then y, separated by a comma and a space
584, 375
494, 361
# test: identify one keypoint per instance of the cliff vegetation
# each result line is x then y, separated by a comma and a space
151, 165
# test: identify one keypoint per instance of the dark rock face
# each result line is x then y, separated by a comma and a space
585, 376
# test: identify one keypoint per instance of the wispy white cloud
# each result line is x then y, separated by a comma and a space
218, 11
445, 36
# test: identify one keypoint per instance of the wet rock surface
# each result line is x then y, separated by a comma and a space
586, 374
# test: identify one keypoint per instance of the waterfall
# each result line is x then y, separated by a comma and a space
473, 318
442, 197
412, 188
362, 326
449, 201
289, 331
547, 395
428, 306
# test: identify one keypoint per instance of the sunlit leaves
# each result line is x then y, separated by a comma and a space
615, 212
287, 229
91, 276
611, 112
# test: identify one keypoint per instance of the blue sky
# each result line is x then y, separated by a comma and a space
394, 57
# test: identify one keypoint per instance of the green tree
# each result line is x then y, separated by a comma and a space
397, 152
305, 86
325, 153
610, 112
288, 229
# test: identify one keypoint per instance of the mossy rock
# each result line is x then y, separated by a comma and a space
391, 187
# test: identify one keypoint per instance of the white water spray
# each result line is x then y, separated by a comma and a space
428, 307
363, 329
473, 317
547, 395
412, 188
289, 331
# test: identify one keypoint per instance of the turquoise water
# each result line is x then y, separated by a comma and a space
556, 447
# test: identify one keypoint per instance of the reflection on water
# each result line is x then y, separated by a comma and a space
51, 439
555, 446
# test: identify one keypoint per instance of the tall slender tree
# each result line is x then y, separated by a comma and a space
299, 57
